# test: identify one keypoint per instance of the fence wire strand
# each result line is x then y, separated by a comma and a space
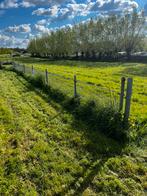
85, 90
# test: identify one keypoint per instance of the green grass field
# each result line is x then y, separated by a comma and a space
44, 151
106, 76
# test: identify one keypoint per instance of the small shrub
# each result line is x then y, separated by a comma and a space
37, 81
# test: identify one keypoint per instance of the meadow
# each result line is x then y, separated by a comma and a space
46, 150
105, 76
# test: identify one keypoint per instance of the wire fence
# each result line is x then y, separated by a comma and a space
72, 87
84, 90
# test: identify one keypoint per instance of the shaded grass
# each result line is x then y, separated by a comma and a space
44, 151
92, 114
32, 140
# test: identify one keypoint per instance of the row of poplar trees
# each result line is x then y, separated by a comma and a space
106, 37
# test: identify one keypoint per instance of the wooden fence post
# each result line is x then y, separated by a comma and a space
128, 99
75, 86
121, 103
46, 77
32, 70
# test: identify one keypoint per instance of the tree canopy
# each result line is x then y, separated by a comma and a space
100, 37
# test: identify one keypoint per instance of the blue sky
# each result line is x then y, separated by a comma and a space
21, 20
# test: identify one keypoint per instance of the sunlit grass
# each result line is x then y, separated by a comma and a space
103, 74
44, 151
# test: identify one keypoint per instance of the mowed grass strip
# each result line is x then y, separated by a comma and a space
44, 152
40, 152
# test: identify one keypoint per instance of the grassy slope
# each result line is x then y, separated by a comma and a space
44, 151
103, 74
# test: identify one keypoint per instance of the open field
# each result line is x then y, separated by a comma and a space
73, 98
45, 151
105, 75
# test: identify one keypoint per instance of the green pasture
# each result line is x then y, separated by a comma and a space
106, 76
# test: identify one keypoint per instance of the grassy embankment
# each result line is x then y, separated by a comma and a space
44, 150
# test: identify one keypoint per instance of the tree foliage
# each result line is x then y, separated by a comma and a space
101, 37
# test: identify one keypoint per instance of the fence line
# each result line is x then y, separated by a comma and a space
46, 77
77, 90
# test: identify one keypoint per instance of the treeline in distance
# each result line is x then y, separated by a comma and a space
105, 37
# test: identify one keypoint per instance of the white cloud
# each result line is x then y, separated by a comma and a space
78, 9
90, 5
9, 4
112, 5
12, 41
4, 38
27, 4
46, 12
66, 26
42, 22
71, 10
41, 28
56, 13
24, 28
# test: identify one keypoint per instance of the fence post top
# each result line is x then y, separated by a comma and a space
123, 78
130, 79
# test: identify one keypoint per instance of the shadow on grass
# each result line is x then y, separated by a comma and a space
99, 124
88, 177
88, 62
91, 114
69, 62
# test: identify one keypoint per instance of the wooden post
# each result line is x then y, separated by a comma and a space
128, 99
46, 77
122, 94
75, 86
32, 70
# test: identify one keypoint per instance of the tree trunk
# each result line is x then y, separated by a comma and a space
82, 54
